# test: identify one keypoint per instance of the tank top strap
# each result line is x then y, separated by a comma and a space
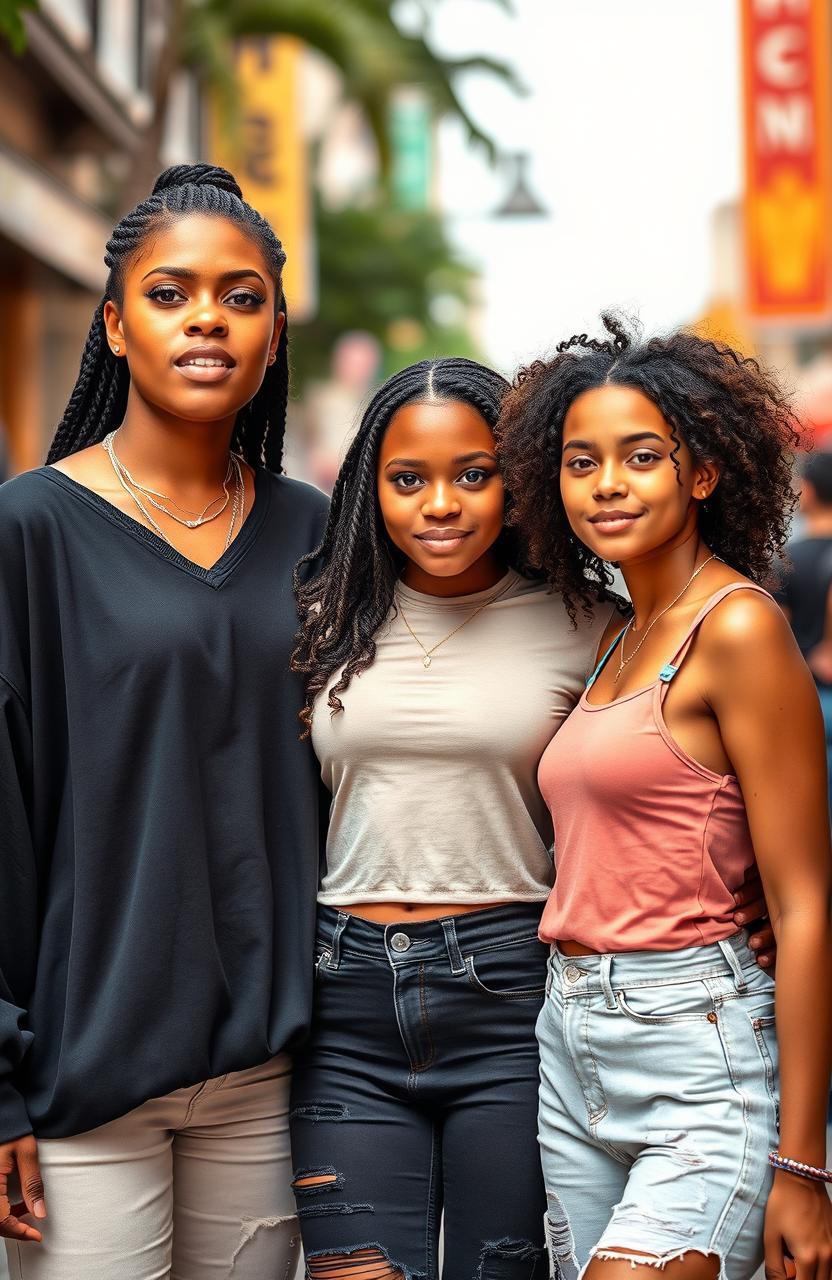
602, 661
670, 668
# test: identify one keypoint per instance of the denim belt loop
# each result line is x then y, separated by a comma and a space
606, 984
335, 948
734, 965
451, 942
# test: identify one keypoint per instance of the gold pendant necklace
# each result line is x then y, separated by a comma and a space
427, 658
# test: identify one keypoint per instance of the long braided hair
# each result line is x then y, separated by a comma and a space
724, 407
99, 397
351, 592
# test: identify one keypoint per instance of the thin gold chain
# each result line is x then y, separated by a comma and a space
622, 661
428, 653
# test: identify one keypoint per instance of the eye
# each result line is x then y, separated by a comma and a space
167, 294
475, 475
644, 457
244, 298
580, 464
407, 480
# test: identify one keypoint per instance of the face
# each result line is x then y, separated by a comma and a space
441, 494
621, 491
197, 323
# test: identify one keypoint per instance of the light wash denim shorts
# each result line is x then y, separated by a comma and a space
658, 1106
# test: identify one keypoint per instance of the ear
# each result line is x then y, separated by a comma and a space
279, 322
705, 480
114, 329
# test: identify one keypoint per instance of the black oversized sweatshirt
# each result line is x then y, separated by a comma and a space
158, 814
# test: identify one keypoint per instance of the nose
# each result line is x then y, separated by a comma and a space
610, 481
440, 500
206, 316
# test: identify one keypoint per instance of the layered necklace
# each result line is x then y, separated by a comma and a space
142, 493
427, 654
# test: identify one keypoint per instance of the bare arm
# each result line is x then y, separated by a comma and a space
767, 709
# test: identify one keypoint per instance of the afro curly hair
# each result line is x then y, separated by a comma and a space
724, 407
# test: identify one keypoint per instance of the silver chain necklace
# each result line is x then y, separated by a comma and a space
124, 479
622, 661
153, 495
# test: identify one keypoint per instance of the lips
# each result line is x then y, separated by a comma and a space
205, 363
614, 520
443, 541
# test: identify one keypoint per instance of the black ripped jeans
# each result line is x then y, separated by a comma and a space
417, 1096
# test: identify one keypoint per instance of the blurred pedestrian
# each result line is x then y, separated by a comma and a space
805, 580
159, 814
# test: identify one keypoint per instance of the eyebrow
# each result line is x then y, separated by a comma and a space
632, 439
458, 461
183, 273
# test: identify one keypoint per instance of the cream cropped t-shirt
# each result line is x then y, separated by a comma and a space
433, 770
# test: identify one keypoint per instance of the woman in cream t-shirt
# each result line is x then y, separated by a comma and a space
436, 675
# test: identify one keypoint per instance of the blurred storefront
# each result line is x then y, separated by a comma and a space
73, 111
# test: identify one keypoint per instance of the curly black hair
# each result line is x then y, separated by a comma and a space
727, 410
354, 571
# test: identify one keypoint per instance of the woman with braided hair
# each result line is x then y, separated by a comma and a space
159, 814
436, 671
697, 748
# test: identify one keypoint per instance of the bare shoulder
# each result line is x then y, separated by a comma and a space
746, 621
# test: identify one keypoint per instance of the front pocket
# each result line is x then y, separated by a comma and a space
510, 973
660, 1004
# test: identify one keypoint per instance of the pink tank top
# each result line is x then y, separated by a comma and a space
649, 845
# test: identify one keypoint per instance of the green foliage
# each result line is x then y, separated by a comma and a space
372, 54
388, 272
11, 22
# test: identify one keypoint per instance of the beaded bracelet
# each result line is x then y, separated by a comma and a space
798, 1167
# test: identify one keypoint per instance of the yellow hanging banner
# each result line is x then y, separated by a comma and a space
266, 150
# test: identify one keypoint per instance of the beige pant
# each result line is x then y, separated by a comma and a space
192, 1186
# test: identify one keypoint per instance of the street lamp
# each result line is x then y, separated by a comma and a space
520, 201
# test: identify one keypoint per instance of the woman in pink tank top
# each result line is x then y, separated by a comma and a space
697, 746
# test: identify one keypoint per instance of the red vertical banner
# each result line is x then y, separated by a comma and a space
788, 202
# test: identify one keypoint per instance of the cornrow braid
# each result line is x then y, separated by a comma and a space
99, 397
724, 407
355, 569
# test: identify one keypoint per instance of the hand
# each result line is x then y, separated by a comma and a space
798, 1224
752, 908
21, 1157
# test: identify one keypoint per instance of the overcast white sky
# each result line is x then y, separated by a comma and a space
633, 128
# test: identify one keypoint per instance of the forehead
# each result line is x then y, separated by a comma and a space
203, 243
436, 430
613, 409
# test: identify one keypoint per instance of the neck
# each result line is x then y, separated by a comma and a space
655, 578
163, 450
819, 523
484, 573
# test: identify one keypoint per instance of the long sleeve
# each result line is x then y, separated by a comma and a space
18, 906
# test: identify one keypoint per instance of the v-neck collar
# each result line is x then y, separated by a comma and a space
219, 571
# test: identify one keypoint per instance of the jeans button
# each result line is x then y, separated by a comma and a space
571, 973
400, 942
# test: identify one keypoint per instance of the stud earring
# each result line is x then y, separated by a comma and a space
116, 348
